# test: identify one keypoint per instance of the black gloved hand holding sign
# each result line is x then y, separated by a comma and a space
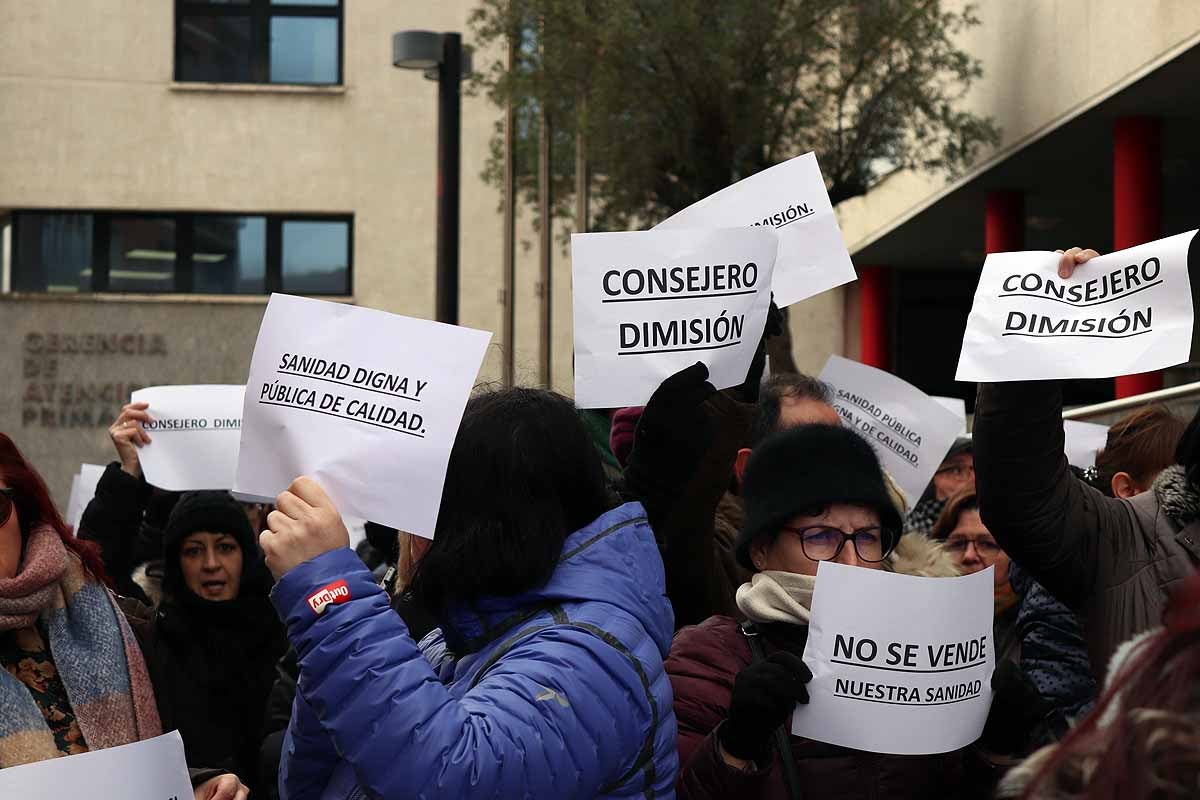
764, 696
672, 434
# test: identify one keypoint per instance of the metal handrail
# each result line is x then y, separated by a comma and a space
1126, 403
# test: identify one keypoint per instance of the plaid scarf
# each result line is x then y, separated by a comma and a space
94, 651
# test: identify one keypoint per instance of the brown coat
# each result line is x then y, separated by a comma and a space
703, 663
1114, 562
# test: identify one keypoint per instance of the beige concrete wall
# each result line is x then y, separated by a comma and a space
1043, 63
65, 384
89, 117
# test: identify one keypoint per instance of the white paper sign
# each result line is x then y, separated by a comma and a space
365, 402
194, 436
900, 665
910, 430
1119, 314
649, 303
153, 769
83, 489
791, 198
956, 405
1083, 441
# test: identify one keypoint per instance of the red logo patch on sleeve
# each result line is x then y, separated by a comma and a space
336, 592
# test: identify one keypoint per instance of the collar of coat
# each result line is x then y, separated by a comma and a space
917, 554
1176, 496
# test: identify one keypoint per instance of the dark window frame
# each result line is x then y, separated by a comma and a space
185, 246
260, 13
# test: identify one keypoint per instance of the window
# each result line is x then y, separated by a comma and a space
259, 41
154, 253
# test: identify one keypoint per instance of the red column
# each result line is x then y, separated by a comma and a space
1137, 207
873, 285
1004, 221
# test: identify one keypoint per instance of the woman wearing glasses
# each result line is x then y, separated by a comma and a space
974, 549
814, 493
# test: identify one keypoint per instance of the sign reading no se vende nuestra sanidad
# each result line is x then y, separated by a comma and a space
900, 665
650, 303
1119, 314
365, 402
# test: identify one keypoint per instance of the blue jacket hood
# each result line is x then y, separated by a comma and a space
613, 560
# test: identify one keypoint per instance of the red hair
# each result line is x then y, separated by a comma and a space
1143, 737
35, 508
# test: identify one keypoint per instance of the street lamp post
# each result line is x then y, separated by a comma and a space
442, 58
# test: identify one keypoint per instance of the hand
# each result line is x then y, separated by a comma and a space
304, 524
128, 435
764, 696
672, 435
1073, 258
222, 787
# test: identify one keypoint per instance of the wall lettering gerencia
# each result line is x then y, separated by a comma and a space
54, 395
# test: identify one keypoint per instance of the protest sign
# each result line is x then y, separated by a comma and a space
1083, 441
910, 430
193, 436
791, 199
956, 405
1123, 313
153, 769
649, 303
900, 665
83, 489
365, 402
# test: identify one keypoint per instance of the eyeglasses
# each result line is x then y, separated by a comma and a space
823, 543
6, 504
957, 471
986, 548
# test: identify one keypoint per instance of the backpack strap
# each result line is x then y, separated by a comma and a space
782, 737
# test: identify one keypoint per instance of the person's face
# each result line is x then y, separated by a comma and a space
801, 545
10, 536
212, 565
793, 412
954, 475
974, 549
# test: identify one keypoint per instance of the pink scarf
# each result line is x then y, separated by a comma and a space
94, 651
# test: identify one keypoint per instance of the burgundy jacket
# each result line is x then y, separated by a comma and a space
703, 662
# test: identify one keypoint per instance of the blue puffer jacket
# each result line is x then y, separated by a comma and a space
562, 695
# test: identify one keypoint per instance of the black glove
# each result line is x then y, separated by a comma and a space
672, 435
747, 391
764, 696
1018, 710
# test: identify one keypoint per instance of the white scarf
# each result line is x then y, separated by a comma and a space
775, 596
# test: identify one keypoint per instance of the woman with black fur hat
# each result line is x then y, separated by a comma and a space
212, 641
814, 493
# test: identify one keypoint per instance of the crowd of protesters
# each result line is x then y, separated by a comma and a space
615, 605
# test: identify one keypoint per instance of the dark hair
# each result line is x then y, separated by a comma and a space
35, 508
522, 476
1142, 443
956, 506
792, 385
1143, 736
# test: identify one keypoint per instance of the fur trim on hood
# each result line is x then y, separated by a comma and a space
148, 576
922, 557
1176, 496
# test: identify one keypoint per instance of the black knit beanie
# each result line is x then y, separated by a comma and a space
806, 468
215, 512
